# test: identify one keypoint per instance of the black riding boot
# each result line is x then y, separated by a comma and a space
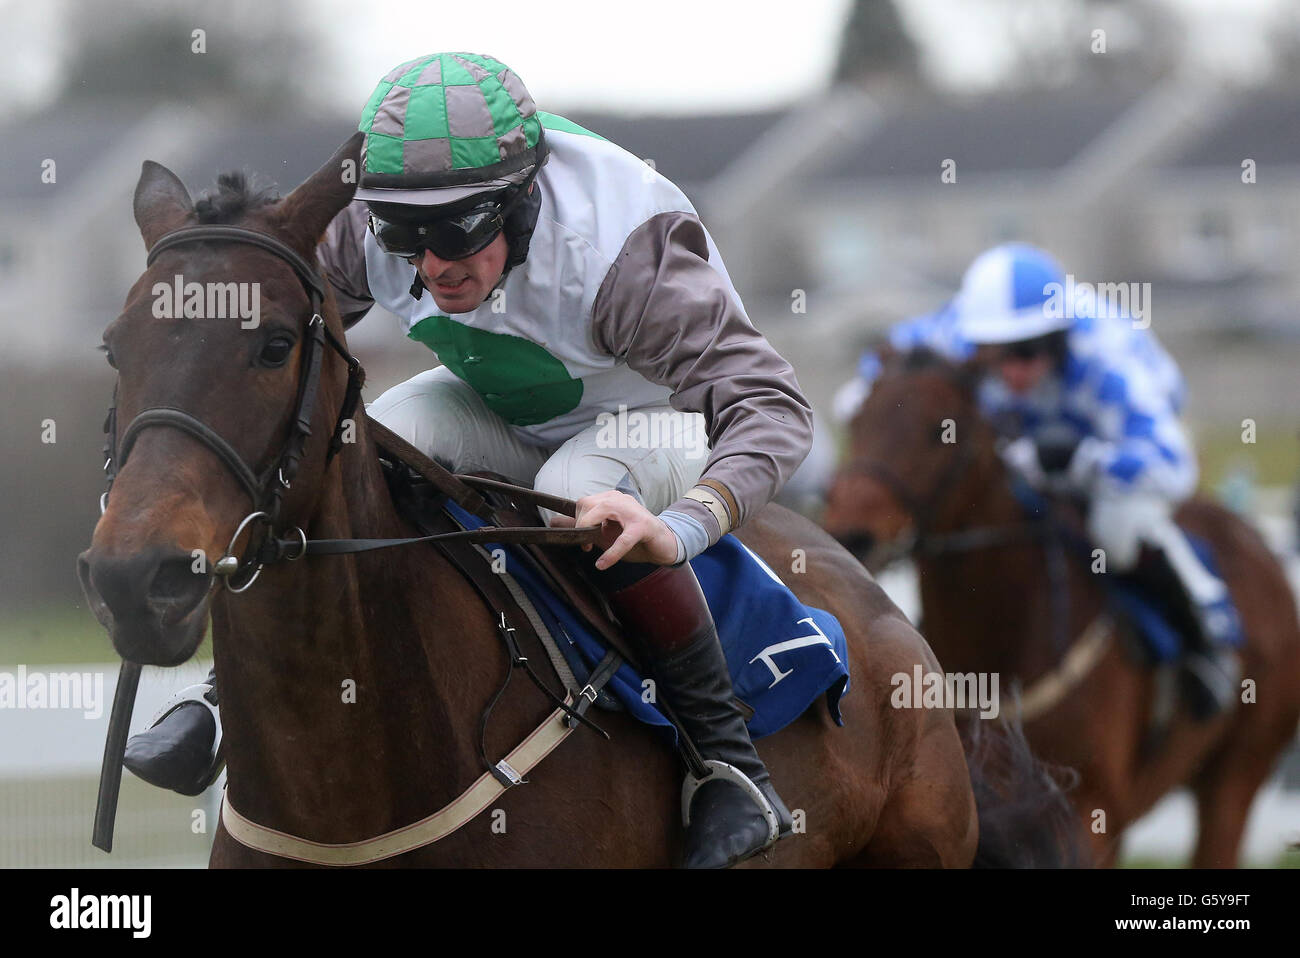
179, 751
1210, 670
663, 610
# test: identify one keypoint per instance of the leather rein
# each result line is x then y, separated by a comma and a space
922, 541
266, 489
926, 544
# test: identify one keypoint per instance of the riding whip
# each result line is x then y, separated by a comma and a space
110, 774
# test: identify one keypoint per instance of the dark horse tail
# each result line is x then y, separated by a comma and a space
1025, 819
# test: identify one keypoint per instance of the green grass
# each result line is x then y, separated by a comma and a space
1274, 456
47, 823
1288, 859
60, 636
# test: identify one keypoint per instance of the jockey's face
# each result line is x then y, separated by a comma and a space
1020, 373
1023, 375
460, 285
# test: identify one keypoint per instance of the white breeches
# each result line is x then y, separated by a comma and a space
654, 453
1121, 525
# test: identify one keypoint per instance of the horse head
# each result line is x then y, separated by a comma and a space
916, 445
213, 346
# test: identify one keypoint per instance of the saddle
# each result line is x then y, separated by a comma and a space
1160, 623
1155, 627
420, 485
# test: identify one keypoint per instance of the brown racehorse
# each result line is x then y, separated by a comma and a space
404, 630
987, 605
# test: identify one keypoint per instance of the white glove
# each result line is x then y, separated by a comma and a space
849, 399
1087, 460
1021, 456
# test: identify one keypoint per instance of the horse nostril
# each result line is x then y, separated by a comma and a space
151, 582
123, 581
97, 604
176, 588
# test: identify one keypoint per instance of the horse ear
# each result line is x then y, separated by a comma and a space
161, 203
308, 210
884, 349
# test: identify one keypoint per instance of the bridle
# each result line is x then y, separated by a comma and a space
921, 509
265, 489
926, 544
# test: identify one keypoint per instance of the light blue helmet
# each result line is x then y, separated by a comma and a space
1005, 293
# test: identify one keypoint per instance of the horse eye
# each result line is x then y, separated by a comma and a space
108, 356
276, 350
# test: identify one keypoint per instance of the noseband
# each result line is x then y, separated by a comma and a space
923, 541
265, 489
920, 508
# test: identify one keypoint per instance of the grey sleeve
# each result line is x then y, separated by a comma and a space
342, 255
674, 319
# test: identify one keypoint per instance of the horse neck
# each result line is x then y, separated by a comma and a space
990, 608
334, 686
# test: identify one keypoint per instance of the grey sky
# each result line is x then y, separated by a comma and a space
670, 55
700, 55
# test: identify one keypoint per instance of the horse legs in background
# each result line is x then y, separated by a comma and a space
1224, 789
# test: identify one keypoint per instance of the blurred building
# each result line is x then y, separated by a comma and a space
841, 197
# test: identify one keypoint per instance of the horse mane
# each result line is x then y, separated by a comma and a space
919, 359
923, 357
233, 198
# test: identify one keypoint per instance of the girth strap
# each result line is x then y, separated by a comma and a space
485, 790
1084, 655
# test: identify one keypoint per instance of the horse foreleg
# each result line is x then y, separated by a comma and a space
1224, 792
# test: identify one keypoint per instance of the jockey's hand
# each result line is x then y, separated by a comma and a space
628, 529
1021, 455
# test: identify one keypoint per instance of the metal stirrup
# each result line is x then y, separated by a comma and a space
729, 773
198, 695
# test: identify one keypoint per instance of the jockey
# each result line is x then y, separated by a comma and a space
1093, 401
562, 282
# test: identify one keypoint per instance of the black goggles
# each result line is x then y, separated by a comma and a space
1029, 349
454, 236
450, 238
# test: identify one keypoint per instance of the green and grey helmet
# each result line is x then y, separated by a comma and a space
445, 127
